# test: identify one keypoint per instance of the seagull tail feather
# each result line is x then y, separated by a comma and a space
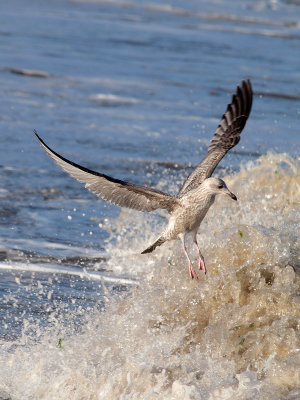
157, 243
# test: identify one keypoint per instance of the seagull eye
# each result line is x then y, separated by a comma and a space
220, 186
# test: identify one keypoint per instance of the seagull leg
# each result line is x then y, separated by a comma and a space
192, 272
201, 258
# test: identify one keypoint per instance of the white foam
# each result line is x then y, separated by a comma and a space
64, 270
111, 100
233, 334
44, 244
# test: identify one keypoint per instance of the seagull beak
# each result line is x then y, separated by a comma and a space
233, 196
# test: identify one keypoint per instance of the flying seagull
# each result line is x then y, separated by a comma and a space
188, 208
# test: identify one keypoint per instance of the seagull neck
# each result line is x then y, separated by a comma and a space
209, 199
201, 196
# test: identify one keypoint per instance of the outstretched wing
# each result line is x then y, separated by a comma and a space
226, 136
118, 192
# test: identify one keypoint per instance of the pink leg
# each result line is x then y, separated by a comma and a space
192, 272
201, 258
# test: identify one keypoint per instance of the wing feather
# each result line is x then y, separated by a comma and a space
118, 192
226, 136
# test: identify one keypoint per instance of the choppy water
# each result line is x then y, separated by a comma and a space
135, 90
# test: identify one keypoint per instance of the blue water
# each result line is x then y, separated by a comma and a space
134, 90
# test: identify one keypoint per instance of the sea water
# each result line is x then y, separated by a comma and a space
136, 90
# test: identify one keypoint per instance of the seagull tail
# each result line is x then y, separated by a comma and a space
157, 243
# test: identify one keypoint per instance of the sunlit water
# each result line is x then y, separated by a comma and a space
136, 90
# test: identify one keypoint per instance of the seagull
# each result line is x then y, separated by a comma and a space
188, 208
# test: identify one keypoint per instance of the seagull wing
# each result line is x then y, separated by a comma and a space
226, 136
118, 192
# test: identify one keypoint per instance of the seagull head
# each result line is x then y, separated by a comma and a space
218, 186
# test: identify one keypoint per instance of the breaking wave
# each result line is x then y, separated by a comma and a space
233, 334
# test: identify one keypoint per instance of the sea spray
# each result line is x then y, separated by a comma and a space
232, 334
